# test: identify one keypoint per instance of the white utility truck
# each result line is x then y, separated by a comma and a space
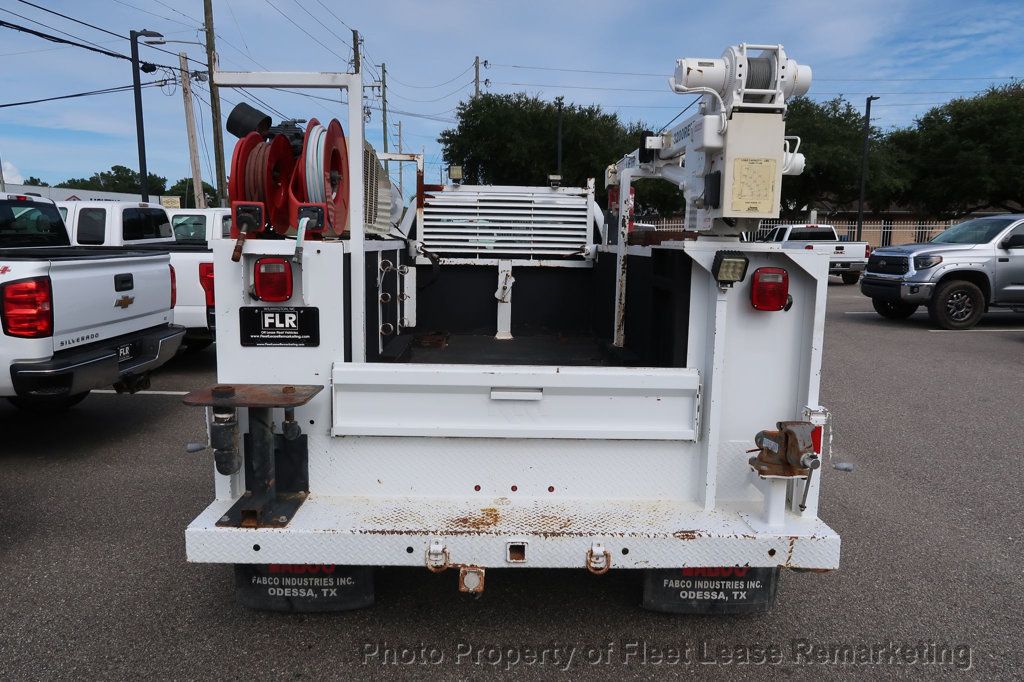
496, 380
76, 318
143, 226
846, 259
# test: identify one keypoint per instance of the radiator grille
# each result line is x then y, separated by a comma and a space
887, 265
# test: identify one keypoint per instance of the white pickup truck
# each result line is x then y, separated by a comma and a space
846, 259
76, 318
142, 226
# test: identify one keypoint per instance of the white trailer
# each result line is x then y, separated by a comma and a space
508, 384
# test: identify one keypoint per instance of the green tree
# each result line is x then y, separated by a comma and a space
968, 154
183, 189
511, 139
36, 182
117, 179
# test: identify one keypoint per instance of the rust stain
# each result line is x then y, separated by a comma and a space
685, 535
487, 518
789, 551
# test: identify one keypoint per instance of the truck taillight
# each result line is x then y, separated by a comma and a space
867, 250
174, 287
28, 308
816, 439
769, 289
206, 281
809, 247
272, 280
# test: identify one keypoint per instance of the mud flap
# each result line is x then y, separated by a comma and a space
303, 588
703, 590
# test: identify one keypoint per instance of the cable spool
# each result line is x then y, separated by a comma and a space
322, 176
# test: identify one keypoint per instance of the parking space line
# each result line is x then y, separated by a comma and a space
113, 392
961, 331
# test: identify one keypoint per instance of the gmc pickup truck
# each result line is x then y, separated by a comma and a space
76, 318
147, 227
959, 275
846, 259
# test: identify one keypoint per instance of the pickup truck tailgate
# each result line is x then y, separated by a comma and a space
113, 296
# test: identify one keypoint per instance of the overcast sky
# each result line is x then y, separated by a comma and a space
914, 54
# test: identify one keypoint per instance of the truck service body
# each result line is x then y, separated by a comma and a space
497, 380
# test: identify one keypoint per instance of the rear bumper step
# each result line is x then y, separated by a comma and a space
387, 531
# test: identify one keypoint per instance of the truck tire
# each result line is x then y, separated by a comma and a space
196, 345
893, 310
47, 404
850, 277
956, 304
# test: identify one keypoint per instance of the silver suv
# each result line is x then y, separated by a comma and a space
959, 274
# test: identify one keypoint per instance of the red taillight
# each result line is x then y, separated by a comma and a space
809, 247
174, 287
867, 250
816, 439
206, 281
272, 280
769, 289
28, 308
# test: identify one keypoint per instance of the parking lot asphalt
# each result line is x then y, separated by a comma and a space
94, 503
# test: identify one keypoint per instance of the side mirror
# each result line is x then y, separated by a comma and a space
1015, 241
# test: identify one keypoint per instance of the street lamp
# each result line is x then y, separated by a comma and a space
864, 164
140, 132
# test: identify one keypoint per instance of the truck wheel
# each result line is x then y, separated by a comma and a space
196, 345
893, 310
850, 277
47, 404
956, 305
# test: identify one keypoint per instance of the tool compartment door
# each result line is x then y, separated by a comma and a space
371, 399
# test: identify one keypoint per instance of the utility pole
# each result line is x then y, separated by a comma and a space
355, 52
218, 132
190, 126
384, 112
140, 131
476, 78
559, 102
3, 183
864, 165
401, 167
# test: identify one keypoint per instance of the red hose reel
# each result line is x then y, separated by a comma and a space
267, 180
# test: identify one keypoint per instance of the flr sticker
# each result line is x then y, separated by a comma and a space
263, 327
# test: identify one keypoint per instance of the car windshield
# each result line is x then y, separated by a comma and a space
978, 231
31, 223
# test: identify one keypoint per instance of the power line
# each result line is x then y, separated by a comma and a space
146, 11
327, 28
237, 27
98, 28
816, 79
336, 16
64, 41
292, 22
102, 91
439, 85
436, 99
52, 28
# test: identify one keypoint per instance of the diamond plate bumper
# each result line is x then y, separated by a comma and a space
394, 531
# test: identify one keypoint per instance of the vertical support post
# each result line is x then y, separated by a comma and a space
401, 167
716, 381
218, 126
773, 509
261, 452
356, 216
199, 197
504, 296
625, 207
476, 77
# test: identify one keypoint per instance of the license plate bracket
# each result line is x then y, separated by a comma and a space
126, 351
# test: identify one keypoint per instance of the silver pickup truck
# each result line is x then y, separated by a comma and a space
959, 275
